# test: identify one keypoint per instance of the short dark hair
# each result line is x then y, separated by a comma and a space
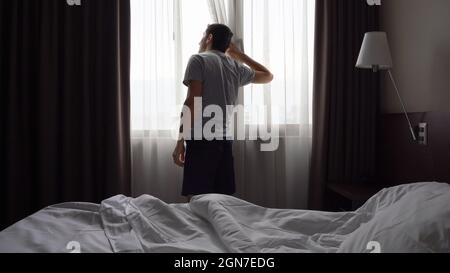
221, 36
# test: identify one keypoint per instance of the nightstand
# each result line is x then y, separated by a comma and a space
348, 197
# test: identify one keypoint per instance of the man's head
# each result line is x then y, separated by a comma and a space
216, 37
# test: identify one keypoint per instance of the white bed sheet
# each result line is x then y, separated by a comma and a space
210, 223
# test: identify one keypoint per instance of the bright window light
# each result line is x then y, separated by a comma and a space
165, 33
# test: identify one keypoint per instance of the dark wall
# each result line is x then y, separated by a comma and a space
400, 160
419, 37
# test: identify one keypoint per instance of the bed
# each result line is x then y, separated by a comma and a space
407, 218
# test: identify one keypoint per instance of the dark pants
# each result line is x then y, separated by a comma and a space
209, 168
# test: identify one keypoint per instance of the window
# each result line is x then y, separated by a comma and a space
165, 33
280, 34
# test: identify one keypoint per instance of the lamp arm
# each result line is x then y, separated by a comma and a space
403, 105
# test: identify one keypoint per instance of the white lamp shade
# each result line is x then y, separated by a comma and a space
375, 52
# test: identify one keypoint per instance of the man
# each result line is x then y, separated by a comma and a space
214, 75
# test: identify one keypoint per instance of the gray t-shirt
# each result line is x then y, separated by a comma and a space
221, 77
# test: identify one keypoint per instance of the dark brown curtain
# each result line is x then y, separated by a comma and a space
64, 105
345, 99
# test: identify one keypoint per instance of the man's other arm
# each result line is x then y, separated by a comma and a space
195, 90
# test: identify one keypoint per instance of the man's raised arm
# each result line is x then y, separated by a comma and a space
262, 74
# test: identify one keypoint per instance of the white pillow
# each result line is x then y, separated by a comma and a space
416, 220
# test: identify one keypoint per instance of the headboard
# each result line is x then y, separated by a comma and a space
400, 160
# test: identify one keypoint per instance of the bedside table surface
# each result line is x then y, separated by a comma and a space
355, 192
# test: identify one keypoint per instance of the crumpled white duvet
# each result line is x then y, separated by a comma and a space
218, 223
210, 223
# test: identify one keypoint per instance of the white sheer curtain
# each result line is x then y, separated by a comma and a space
218, 11
165, 33
278, 33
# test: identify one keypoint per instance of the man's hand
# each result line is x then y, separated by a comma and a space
179, 154
262, 74
234, 52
